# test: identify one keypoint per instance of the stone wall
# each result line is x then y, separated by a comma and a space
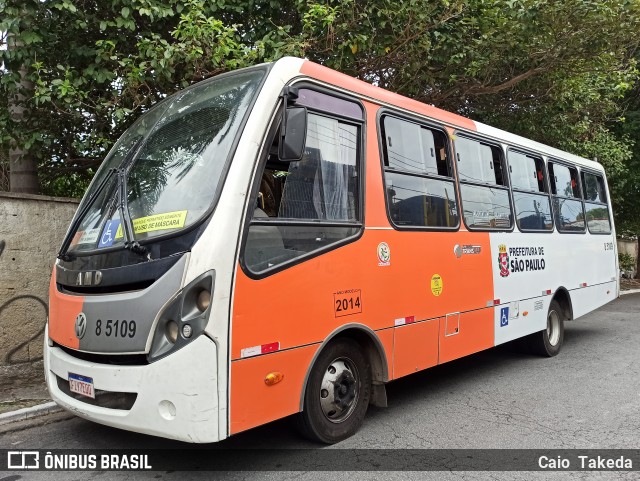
31, 232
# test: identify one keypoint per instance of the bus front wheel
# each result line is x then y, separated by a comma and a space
338, 393
549, 341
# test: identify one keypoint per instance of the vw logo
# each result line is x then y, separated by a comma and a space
81, 325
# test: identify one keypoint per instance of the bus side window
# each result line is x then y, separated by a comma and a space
595, 204
483, 187
311, 204
420, 190
532, 203
567, 202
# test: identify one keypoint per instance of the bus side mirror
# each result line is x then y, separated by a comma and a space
293, 134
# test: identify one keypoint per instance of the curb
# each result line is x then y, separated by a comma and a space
630, 291
28, 413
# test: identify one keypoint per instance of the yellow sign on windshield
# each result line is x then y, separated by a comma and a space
170, 220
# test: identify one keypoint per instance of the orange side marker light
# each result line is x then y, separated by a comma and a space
525, 313
273, 378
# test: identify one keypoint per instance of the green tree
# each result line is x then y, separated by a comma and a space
553, 71
627, 186
84, 69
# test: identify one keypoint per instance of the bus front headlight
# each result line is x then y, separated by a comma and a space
172, 331
184, 319
204, 299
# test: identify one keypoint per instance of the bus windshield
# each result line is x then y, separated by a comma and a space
172, 160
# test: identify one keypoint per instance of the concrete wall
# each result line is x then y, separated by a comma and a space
31, 232
628, 246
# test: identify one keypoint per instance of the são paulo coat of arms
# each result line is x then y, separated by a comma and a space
503, 260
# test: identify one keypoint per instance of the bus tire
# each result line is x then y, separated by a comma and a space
548, 342
338, 393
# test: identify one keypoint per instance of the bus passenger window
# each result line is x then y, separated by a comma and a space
420, 190
595, 204
532, 203
567, 203
310, 204
593, 188
483, 188
564, 180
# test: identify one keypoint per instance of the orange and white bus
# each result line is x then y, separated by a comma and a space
285, 240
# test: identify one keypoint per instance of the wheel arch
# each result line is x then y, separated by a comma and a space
371, 344
563, 298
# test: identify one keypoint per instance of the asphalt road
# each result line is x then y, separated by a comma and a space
588, 397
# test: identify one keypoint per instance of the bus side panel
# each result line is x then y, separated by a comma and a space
386, 338
415, 347
530, 268
253, 402
465, 334
590, 298
423, 279
520, 318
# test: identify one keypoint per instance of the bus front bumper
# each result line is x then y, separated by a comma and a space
175, 397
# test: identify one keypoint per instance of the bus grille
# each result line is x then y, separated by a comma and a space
113, 359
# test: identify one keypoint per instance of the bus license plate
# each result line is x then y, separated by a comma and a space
81, 385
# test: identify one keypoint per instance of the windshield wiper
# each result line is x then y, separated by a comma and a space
63, 254
130, 242
127, 224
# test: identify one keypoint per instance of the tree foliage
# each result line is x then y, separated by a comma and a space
627, 185
97, 65
557, 72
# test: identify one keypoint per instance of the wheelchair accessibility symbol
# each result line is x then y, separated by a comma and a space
504, 317
109, 233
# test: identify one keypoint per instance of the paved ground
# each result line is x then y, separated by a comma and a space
587, 397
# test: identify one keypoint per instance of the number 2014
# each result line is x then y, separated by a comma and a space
347, 304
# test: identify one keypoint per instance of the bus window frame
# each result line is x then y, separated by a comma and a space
605, 204
505, 177
423, 123
570, 165
272, 131
545, 181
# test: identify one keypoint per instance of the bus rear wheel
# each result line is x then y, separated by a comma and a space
549, 341
338, 393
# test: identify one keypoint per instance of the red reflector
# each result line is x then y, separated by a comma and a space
496, 302
584, 284
265, 348
410, 319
